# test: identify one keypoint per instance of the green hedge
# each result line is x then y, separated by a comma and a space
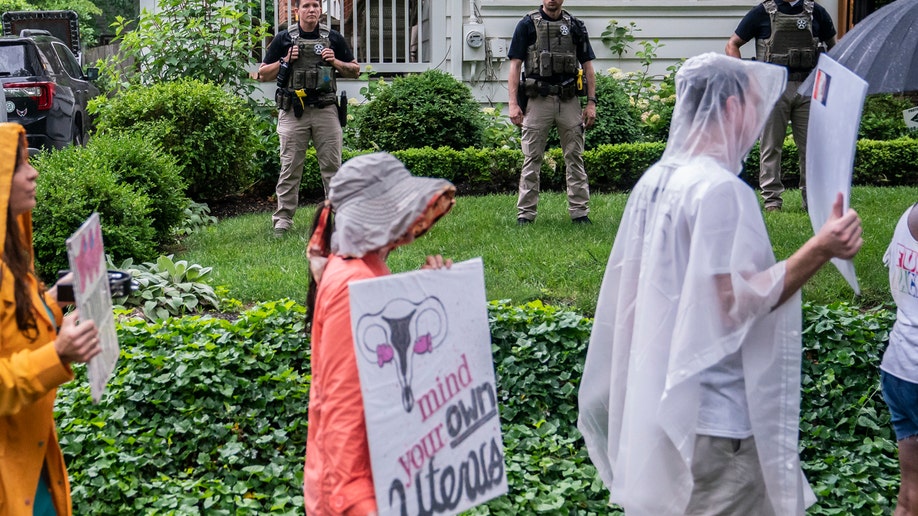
210, 132
207, 416
68, 193
616, 168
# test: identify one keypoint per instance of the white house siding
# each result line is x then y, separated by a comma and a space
683, 27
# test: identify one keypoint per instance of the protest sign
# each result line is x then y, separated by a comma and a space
911, 117
835, 114
93, 298
423, 349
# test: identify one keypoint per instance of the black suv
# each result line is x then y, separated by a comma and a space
46, 89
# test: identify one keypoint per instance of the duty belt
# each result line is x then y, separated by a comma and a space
565, 90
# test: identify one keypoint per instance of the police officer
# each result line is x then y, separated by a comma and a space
305, 61
555, 48
790, 34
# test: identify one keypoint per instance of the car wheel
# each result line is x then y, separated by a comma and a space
79, 137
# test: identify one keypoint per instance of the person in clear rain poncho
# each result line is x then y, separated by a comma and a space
690, 397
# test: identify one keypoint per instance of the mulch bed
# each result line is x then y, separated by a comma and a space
258, 199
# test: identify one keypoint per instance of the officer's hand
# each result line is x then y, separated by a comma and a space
328, 55
516, 115
293, 53
589, 115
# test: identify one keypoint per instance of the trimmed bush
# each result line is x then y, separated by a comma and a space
882, 117
616, 168
68, 194
886, 163
876, 163
210, 132
615, 121
431, 109
135, 161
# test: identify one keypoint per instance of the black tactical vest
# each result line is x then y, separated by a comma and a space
310, 72
553, 56
792, 43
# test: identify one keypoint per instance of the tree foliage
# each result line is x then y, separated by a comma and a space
200, 39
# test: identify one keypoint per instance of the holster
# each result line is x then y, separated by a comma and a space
342, 109
299, 102
522, 98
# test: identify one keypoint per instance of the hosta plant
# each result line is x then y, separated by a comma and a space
168, 288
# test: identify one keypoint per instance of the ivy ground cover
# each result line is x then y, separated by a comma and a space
208, 416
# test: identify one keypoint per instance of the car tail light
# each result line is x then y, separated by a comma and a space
41, 92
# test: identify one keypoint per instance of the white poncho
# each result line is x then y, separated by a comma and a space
691, 279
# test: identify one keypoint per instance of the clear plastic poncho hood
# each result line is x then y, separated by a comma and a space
722, 104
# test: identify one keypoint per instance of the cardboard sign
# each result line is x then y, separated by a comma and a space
427, 377
93, 298
835, 114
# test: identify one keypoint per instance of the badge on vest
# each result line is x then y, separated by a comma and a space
320, 47
564, 30
802, 24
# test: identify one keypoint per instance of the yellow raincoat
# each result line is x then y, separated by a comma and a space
30, 372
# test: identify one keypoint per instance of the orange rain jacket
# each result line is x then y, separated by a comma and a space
30, 372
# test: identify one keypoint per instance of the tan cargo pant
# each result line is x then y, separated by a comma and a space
567, 115
728, 479
319, 126
796, 109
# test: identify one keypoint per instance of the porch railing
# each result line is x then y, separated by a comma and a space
391, 36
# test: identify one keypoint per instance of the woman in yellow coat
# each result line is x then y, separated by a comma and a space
37, 345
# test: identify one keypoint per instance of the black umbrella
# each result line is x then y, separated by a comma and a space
882, 49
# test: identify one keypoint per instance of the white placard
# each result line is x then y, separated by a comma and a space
93, 298
427, 377
911, 118
835, 114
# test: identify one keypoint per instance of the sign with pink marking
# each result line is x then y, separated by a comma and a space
86, 253
427, 377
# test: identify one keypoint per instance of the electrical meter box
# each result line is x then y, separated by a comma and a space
473, 48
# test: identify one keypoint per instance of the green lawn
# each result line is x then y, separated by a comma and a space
551, 260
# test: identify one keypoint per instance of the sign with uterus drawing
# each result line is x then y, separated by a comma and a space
430, 398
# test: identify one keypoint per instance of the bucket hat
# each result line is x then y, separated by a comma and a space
378, 203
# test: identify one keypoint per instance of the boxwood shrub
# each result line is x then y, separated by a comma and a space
136, 161
616, 168
68, 193
208, 416
210, 132
427, 109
